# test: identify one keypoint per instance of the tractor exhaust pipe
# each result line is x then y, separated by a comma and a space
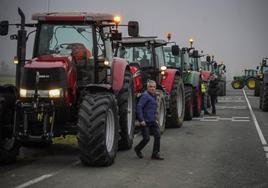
21, 48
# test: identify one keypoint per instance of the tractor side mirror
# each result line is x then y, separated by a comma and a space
195, 54
175, 50
133, 28
208, 59
4, 28
215, 65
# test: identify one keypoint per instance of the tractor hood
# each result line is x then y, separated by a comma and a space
50, 61
52, 70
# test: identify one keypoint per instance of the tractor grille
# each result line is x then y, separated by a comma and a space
49, 78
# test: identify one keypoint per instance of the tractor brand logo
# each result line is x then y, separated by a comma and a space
44, 76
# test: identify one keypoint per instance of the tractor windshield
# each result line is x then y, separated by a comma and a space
171, 60
76, 40
141, 55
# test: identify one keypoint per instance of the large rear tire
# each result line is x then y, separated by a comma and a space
197, 97
98, 129
221, 88
188, 103
161, 110
177, 104
251, 83
126, 103
265, 98
9, 146
257, 88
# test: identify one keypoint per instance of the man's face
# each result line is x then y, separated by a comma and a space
151, 88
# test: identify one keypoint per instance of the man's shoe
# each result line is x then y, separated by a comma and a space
157, 157
138, 153
206, 113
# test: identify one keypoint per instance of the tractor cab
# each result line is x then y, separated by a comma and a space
145, 53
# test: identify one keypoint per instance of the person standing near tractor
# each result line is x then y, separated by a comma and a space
146, 114
213, 91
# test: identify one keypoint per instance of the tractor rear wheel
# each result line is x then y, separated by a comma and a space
177, 104
221, 88
197, 101
161, 110
188, 103
9, 146
265, 98
98, 129
261, 95
257, 88
126, 103
251, 83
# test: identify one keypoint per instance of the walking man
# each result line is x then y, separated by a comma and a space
146, 114
213, 91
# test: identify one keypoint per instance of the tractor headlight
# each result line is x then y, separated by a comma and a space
23, 92
163, 68
54, 93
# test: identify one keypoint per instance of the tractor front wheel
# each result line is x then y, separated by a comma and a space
177, 104
251, 83
236, 84
161, 110
98, 129
188, 103
9, 145
126, 103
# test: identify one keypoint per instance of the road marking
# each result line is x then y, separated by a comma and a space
217, 118
45, 176
232, 107
34, 181
265, 148
263, 141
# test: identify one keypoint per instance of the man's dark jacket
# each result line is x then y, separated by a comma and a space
147, 107
213, 87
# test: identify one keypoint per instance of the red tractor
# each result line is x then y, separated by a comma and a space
146, 59
72, 86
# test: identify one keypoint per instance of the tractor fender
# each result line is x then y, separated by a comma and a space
168, 79
192, 78
265, 77
205, 75
119, 66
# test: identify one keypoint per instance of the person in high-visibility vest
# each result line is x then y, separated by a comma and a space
204, 97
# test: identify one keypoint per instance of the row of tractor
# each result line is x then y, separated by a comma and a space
257, 80
85, 79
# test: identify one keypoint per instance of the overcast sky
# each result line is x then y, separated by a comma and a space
235, 31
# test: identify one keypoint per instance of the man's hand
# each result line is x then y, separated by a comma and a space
143, 123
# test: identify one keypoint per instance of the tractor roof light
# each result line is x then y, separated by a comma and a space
191, 40
169, 36
117, 19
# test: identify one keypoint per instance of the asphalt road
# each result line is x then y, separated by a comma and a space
227, 150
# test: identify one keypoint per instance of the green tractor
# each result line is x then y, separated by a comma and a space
248, 79
261, 69
188, 61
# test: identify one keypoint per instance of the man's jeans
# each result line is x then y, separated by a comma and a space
145, 131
